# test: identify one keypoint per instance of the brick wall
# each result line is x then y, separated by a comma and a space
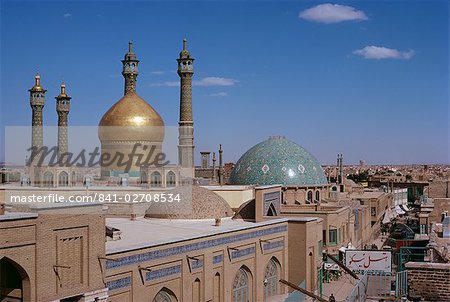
430, 281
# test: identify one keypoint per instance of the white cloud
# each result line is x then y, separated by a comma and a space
207, 81
221, 94
157, 72
67, 15
215, 81
332, 13
378, 53
166, 83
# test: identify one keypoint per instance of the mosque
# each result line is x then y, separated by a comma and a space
203, 250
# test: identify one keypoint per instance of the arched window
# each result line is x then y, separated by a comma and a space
271, 279
155, 179
241, 286
317, 196
165, 295
171, 179
48, 179
310, 196
63, 179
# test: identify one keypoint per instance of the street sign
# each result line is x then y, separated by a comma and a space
361, 261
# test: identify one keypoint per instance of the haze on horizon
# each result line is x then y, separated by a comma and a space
366, 79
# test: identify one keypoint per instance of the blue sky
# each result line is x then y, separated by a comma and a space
369, 79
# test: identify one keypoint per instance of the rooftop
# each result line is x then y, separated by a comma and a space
143, 233
17, 216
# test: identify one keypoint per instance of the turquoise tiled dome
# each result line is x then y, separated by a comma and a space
277, 161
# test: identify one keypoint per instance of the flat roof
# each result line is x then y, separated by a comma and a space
17, 216
145, 233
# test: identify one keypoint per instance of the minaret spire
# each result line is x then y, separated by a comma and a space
130, 69
37, 100
186, 123
62, 109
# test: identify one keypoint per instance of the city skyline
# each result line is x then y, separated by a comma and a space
369, 80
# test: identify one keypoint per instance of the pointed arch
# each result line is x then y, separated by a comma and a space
171, 179
196, 290
155, 179
217, 288
317, 195
272, 274
63, 179
165, 295
271, 211
309, 198
48, 179
242, 285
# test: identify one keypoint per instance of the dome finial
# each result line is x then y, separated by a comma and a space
184, 43
130, 46
37, 79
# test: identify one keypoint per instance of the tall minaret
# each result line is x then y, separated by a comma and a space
221, 172
37, 99
186, 124
62, 108
130, 70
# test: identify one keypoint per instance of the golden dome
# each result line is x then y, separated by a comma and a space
131, 119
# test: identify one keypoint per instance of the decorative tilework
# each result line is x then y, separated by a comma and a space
196, 264
243, 252
119, 283
217, 259
273, 245
163, 272
301, 168
182, 249
289, 164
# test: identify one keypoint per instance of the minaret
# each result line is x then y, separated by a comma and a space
338, 165
214, 166
130, 70
37, 100
62, 108
220, 165
186, 124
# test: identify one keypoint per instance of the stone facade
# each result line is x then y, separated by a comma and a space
50, 257
430, 281
439, 188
